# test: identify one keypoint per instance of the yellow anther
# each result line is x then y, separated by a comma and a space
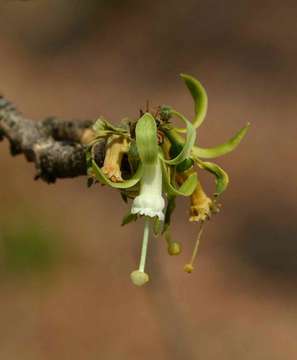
188, 268
174, 248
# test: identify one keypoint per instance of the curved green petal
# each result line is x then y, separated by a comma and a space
146, 139
199, 96
186, 189
230, 145
188, 142
222, 178
121, 185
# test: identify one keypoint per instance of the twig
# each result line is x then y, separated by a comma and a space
56, 146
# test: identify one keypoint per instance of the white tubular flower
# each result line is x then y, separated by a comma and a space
150, 202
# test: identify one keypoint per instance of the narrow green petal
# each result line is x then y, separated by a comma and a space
146, 139
199, 96
186, 189
222, 178
230, 145
120, 185
188, 143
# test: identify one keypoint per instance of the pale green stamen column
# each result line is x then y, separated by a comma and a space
139, 277
145, 240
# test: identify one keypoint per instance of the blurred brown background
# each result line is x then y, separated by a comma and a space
65, 291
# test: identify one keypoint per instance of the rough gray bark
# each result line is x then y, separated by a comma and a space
56, 146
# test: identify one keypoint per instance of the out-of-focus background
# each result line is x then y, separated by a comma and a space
65, 261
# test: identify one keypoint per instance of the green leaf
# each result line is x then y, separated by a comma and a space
188, 143
186, 188
120, 185
199, 96
230, 145
146, 139
222, 178
129, 218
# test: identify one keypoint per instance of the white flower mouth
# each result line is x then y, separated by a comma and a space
149, 205
150, 202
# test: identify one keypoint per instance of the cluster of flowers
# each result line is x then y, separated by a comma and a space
149, 158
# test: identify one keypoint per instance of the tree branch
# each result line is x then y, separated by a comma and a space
56, 146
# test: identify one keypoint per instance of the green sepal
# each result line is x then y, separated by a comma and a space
146, 139
168, 213
221, 177
157, 226
199, 96
99, 126
225, 148
120, 185
103, 127
186, 188
187, 144
127, 219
